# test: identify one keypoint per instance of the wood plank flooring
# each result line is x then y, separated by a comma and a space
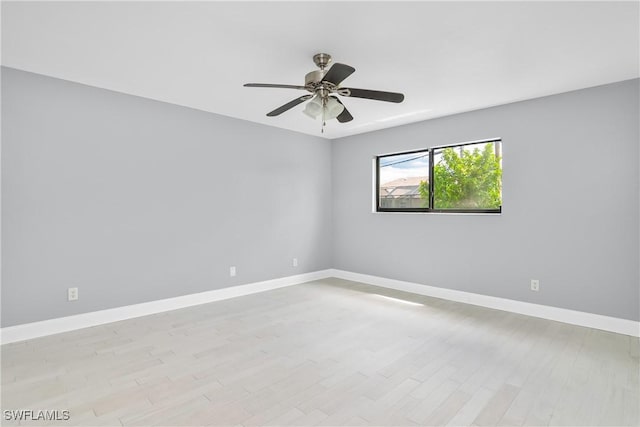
329, 353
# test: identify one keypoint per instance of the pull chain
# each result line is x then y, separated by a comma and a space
324, 108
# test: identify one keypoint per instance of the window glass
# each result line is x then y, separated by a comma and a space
468, 177
403, 181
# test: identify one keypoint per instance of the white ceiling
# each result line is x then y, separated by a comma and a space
446, 57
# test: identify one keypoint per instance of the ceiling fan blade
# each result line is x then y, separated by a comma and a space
345, 116
337, 73
288, 106
272, 85
372, 94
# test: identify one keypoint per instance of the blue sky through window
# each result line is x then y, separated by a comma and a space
404, 166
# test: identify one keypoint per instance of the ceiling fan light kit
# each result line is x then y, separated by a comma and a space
326, 108
324, 85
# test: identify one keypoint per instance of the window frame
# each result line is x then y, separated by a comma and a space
430, 209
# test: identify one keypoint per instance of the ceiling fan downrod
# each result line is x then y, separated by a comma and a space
322, 60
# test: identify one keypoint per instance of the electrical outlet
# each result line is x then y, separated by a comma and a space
72, 294
295, 262
535, 285
232, 271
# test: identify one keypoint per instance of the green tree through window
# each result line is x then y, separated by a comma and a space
466, 178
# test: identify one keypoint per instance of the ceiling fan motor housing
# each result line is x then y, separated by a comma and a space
314, 77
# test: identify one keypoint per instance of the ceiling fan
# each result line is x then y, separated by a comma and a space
324, 85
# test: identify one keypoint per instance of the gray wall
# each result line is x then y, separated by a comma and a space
133, 200
570, 205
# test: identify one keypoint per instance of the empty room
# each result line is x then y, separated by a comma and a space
332, 213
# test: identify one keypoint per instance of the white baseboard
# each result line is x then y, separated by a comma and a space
590, 320
64, 324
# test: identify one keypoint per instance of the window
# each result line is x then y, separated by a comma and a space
458, 178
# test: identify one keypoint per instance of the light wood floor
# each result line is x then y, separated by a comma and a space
329, 352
